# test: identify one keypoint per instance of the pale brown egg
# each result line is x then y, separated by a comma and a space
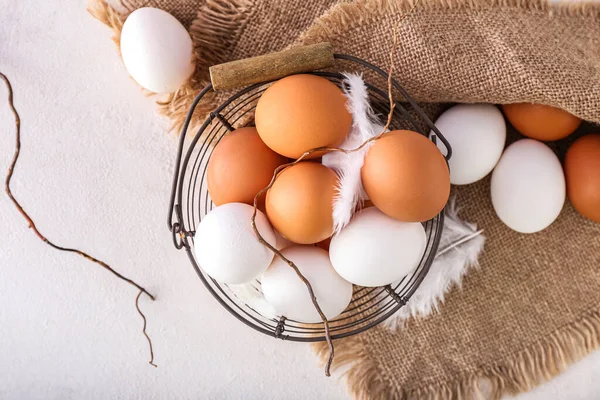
406, 176
239, 167
541, 122
302, 112
300, 203
582, 172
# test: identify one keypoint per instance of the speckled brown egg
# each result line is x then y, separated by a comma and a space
240, 166
406, 176
300, 203
582, 172
302, 112
541, 122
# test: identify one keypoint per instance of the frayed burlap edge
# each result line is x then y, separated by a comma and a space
110, 17
345, 14
214, 32
519, 372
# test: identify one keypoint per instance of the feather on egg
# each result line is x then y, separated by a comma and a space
365, 125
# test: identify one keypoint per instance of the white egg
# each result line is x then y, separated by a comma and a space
156, 50
284, 290
477, 134
376, 250
226, 247
528, 186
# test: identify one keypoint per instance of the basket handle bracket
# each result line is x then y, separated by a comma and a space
399, 299
180, 236
280, 328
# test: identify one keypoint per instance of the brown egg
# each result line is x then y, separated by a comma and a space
541, 122
302, 112
240, 166
300, 203
582, 172
406, 176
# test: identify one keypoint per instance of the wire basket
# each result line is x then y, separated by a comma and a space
190, 202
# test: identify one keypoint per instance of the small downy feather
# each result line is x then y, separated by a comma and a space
349, 191
251, 294
459, 250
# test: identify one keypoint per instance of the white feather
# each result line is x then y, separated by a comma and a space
459, 250
349, 191
251, 295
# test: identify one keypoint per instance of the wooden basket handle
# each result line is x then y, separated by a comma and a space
272, 66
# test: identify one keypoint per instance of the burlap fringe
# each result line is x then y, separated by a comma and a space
217, 27
110, 17
214, 32
362, 375
333, 23
517, 373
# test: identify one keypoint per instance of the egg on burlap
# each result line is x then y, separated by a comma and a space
582, 172
541, 122
528, 186
477, 134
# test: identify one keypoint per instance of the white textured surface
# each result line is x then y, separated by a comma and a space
95, 172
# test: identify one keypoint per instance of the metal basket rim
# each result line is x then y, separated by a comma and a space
180, 235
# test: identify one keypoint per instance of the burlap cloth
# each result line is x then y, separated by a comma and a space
534, 305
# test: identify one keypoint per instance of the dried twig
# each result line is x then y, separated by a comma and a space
137, 306
32, 225
283, 167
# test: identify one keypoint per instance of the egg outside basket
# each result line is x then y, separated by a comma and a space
190, 200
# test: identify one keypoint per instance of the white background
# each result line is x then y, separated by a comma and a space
95, 173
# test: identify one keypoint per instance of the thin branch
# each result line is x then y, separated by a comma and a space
29, 220
24, 213
137, 305
302, 277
